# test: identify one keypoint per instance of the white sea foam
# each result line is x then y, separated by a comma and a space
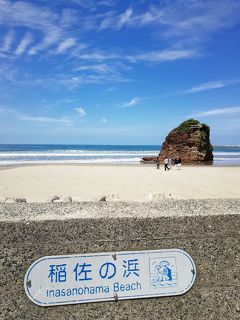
227, 159
85, 156
226, 153
111, 160
228, 146
97, 154
85, 153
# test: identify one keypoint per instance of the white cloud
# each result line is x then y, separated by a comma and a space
64, 101
96, 71
164, 55
81, 112
124, 18
116, 22
7, 42
132, 102
24, 43
8, 73
66, 44
62, 120
54, 35
52, 27
72, 81
85, 79
107, 3
21, 13
206, 86
196, 18
99, 68
220, 111
98, 56
92, 4
154, 15
4, 109
187, 21
211, 85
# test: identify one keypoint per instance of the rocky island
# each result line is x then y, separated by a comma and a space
190, 141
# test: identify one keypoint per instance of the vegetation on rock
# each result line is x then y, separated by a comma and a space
185, 126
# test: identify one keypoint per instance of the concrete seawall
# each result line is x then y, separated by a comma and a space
209, 230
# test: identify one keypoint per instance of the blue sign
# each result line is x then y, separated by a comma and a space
83, 278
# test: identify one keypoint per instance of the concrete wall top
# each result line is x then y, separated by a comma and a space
117, 209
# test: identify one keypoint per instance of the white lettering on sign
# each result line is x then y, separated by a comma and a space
83, 278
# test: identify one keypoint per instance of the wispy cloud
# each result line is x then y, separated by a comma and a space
182, 18
52, 38
93, 4
44, 119
66, 44
81, 112
62, 120
24, 43
211, 85
64, 101
220, 111
50, 25
199, 19
8, 73
26, 14
98, 68
5, 109
98, 71
132, 102
71, 81
51, 32
100, 64
117, 21
124, 18
98, 56
7, 42
74, 82
164, 55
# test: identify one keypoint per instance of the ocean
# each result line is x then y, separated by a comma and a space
11, 154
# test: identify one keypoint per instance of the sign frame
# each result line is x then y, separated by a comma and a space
114, 256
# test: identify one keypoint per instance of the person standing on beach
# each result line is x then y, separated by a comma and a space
158, 162
166, 164
170, 163
176, 163
179, 163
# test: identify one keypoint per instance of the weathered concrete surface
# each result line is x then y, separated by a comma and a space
208, 230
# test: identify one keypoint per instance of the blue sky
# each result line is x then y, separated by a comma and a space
118, 72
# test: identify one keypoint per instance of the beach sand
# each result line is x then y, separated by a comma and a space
127, 183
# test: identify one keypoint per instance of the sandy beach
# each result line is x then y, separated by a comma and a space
125, 183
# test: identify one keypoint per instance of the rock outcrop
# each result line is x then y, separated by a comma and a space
190, 141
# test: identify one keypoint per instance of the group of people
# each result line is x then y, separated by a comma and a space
168, 163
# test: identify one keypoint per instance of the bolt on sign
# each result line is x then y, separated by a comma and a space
83, 278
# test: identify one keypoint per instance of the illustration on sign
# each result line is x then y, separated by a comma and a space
86, 278
163, 272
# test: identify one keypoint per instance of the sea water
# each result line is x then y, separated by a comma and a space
11, 154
